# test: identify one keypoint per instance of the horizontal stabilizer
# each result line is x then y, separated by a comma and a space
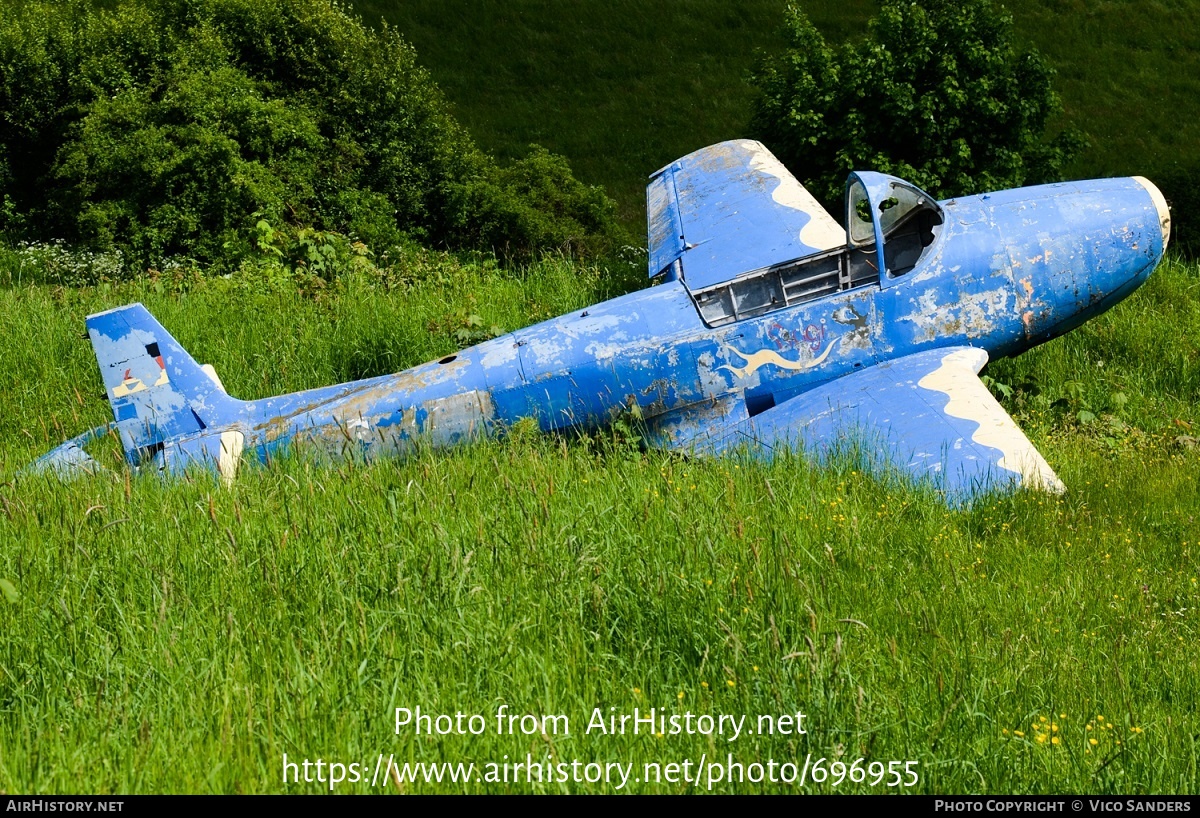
927, 414
69, 460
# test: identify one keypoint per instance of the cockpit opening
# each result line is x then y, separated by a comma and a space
886, 209
880, 209
910, 224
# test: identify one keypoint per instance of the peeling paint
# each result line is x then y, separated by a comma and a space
500, 354
973, 314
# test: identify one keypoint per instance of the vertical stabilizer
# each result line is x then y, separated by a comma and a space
157, 391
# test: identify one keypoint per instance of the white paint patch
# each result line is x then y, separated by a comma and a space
928, 272
711, 384
231, 454
545, 352
958, 379
601, 350
757, 360
359, 429
499, 354
211, 372
927, 302
821, 232
1160, 204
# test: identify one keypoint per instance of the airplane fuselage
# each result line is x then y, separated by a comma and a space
1006, 271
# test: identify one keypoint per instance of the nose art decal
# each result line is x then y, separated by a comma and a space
757, 360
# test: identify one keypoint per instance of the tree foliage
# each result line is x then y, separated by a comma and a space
936, 92
176, 126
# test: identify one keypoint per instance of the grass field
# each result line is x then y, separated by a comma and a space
623, 88
183, 637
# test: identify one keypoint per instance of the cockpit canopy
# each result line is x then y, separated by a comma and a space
745, 237
890, 226
899, 219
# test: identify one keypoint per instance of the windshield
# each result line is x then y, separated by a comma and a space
858, 215
897, 207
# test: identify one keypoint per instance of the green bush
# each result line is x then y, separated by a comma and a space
173, 126
936, 93
536, 202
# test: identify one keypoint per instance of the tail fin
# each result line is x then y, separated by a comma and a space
157, 391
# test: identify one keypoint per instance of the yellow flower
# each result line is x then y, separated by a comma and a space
1093, 742
1018, 734
730, 682
1054, 740
704, 684
1041, 739
1099, 718
680, 696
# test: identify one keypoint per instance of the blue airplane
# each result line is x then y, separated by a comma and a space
772, 327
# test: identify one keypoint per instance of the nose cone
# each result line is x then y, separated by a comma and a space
1160, 203
1078, 248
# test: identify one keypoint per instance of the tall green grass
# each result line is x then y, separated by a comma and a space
181, 637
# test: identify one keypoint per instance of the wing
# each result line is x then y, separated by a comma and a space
927, 414
731, 208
